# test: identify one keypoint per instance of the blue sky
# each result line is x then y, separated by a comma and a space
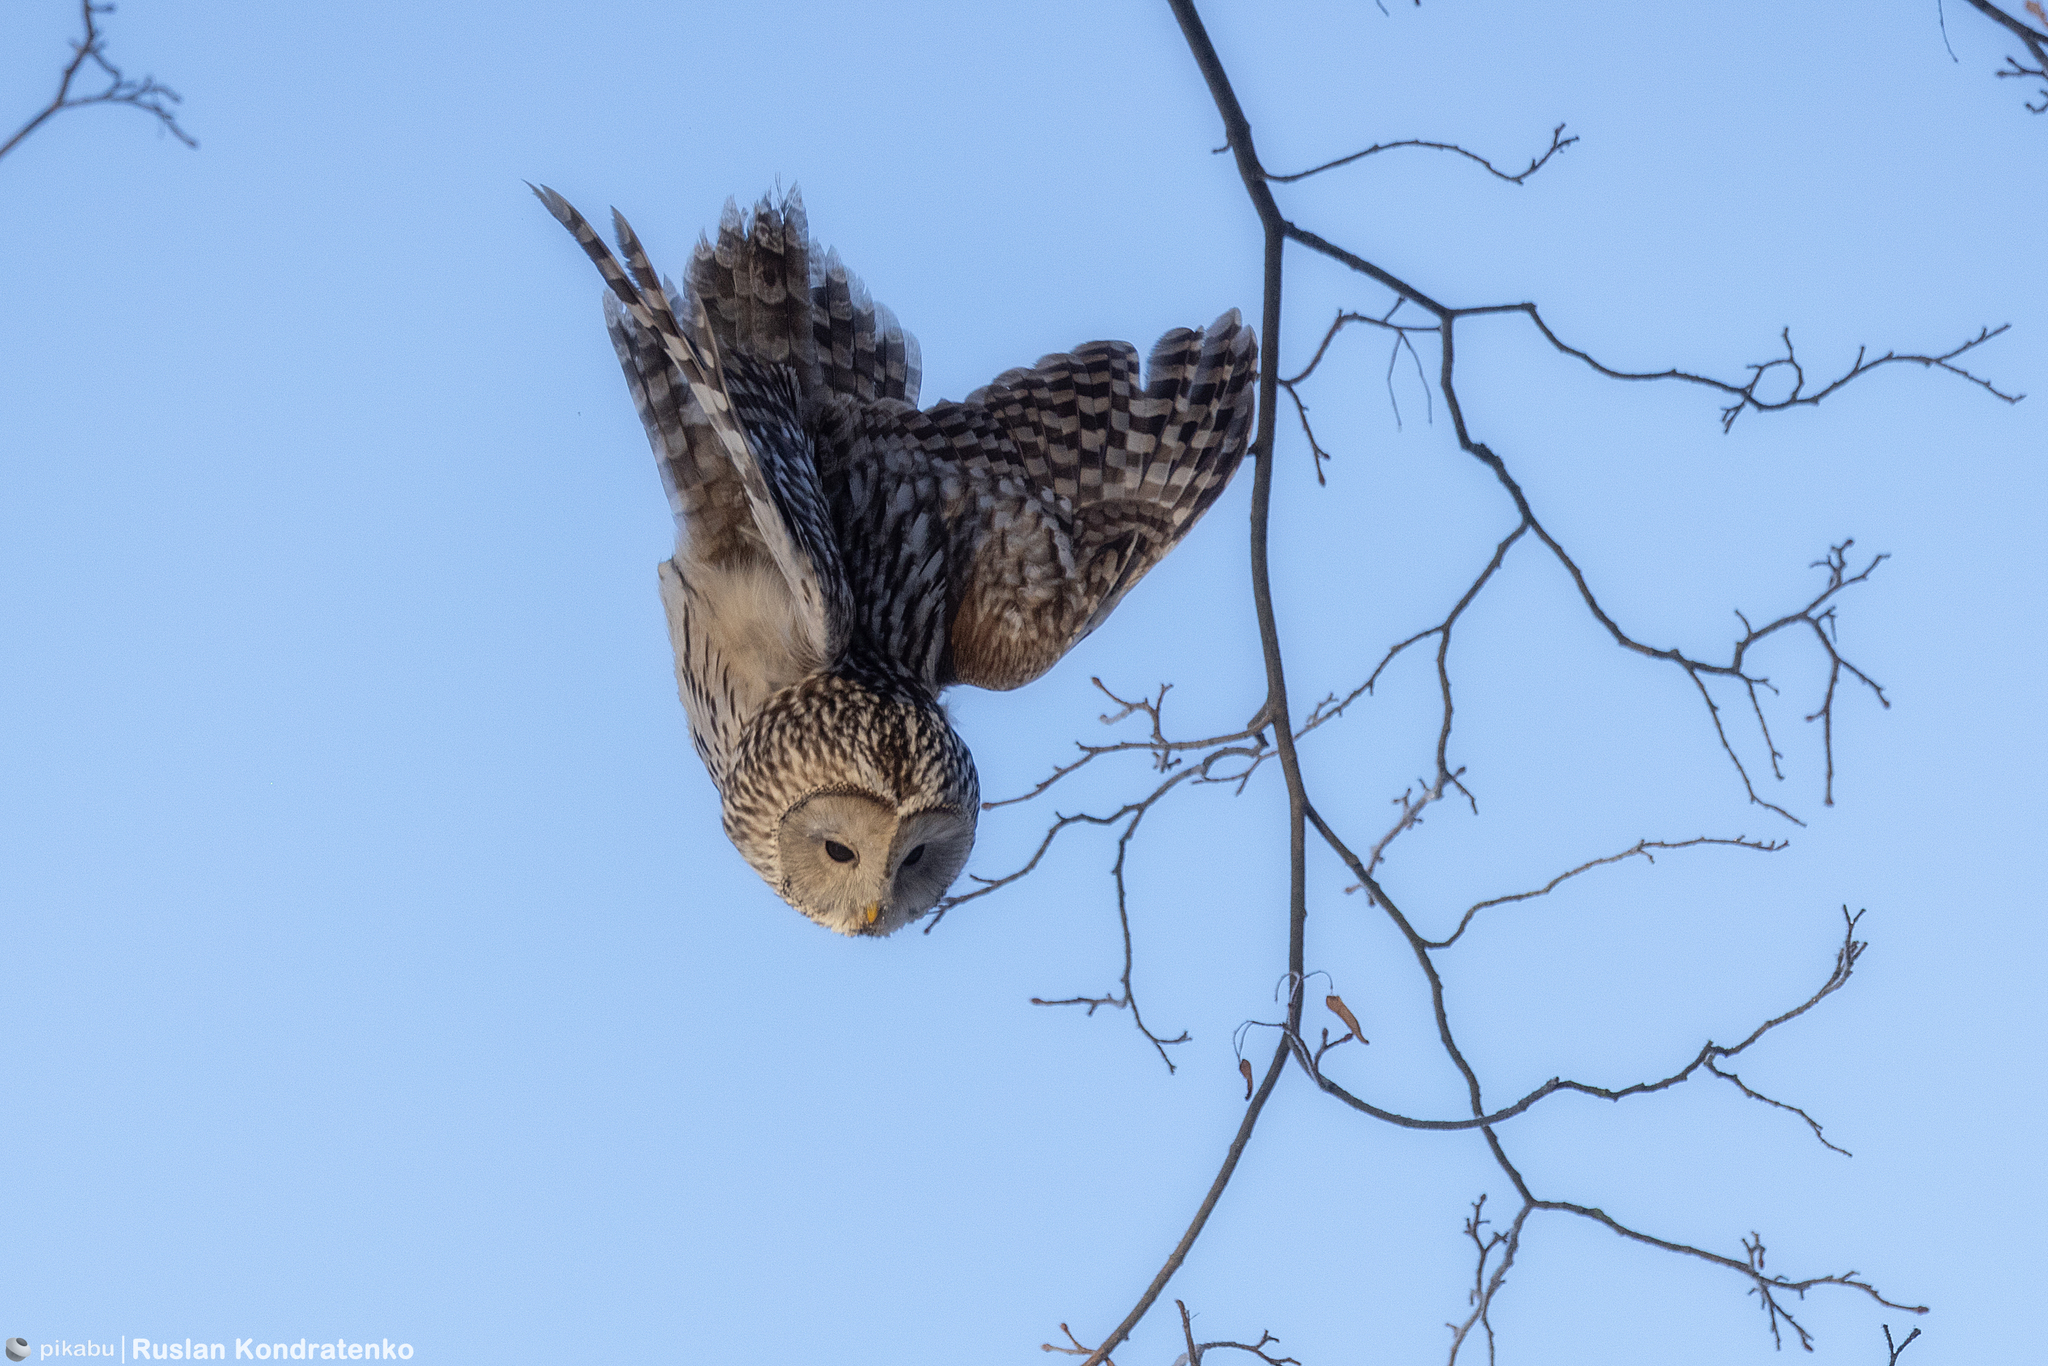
375, 966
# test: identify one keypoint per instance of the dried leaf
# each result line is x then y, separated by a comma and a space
1336, 1003
1246, 1068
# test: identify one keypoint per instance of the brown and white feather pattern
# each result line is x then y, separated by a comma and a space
843, 557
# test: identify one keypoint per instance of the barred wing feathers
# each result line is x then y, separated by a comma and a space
985, 539
975, 542
735, 398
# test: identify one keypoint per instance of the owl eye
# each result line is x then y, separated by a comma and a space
913, 856
839, 852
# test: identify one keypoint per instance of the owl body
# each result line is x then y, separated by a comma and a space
843, 557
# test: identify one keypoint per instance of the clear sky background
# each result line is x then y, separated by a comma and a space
374, 963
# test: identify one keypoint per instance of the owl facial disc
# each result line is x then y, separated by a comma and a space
857, 863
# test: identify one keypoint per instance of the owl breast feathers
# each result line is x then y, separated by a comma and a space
843, 557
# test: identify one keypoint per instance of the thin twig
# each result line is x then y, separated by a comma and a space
1640, 849
1707, 1059
1484, 1286
1745, 394
2035, 43
1129, 1000
145, 94
1558, 142
1765, 1287
1164, 752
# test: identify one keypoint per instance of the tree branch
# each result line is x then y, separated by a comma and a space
1640, 849
2036, 45
1194, 1230
1709, 1055
1765, 1287
145, 94
1558, 142
1197, 1350
1745, 395
1274, 710
1495, 1250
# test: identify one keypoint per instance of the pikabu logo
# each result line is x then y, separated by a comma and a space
63, 1347
17, 1349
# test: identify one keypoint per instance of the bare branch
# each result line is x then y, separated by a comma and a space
1077, 1350
1698, 670
1274, 709
1640, 849
1253, 1109
1257, 1349
145, 94
1484, 1285
1558, 142
1315, 449
1818, 614
1745, 397
2012, 68
1129, 1000
1709, 1055
1767, 1288
1162, 750
1495, 1249
1745, 394
1330, 708
2036, 44
1412, 806
1197, 1350
1198, 771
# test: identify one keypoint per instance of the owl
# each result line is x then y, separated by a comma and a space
842, 558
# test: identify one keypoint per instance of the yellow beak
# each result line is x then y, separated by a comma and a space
873, 912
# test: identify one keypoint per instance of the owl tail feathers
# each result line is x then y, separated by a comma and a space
862, 351
772, 294
753, 284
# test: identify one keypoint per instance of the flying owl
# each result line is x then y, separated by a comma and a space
842, 558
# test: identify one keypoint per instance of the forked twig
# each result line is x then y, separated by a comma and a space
145, 94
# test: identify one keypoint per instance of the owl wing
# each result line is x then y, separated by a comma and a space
985, 539
756, 595
729, 492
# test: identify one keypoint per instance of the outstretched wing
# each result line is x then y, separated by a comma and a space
756, 595
727, 430
976, 542
985, 539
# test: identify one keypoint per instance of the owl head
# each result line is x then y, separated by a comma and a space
860, 863
857, 804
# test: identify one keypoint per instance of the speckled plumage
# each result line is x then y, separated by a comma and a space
842, 557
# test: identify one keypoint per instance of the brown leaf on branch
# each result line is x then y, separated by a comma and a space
1343, 1012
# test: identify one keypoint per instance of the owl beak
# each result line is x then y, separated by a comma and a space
872, 913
